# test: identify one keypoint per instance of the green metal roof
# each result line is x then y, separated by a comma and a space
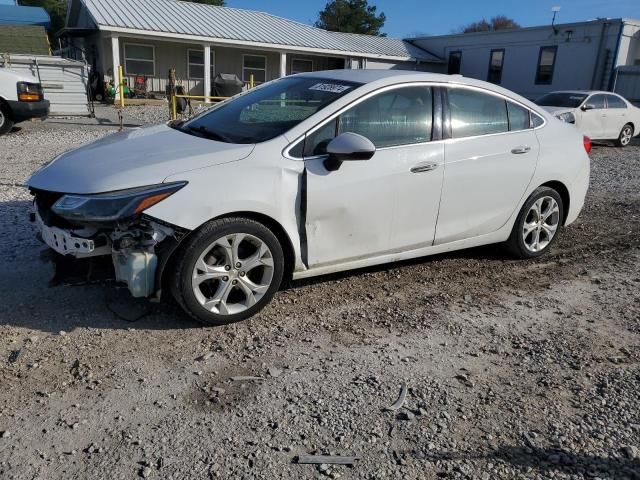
24, 39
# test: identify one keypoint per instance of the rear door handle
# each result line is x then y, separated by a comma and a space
521, 150
424, 167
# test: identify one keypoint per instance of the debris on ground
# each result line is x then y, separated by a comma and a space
397, 405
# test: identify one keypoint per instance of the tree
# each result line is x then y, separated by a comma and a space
351, 16
217, 3
57, 10
499, 22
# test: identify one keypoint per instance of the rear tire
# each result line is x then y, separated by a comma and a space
626, 134
228, 271
6, 122
538, 224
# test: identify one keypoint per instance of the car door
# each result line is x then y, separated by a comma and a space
592, 117
616, 116
489, 163
381, 205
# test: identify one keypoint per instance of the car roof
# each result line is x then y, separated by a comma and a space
392, 77
584, 92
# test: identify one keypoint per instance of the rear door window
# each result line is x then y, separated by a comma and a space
475, 113
614, 101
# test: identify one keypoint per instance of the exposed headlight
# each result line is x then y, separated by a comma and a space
112, 206
567, 117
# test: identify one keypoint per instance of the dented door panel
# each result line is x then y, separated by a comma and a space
349, 211
372, 207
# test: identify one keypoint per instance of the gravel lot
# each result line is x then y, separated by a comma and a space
514, 369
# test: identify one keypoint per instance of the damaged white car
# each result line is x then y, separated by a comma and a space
313, 174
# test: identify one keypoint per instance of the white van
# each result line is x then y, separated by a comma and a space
21, 98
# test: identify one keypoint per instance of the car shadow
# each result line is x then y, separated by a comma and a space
488, 252
37, 294
546, 461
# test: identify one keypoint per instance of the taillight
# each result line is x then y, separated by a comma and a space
29, 92
586, 141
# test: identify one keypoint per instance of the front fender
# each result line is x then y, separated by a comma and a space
271, 189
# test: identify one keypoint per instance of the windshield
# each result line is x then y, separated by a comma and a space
562, 99
267, 111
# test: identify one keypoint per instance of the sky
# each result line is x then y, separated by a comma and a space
407, 18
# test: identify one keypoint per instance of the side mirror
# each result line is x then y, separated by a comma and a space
348, 147
587, 106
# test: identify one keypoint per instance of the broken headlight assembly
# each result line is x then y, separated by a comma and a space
567, 117
113, 206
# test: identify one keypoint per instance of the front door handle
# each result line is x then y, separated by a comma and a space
521, 150
424, 167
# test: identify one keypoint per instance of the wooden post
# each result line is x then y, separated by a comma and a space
121, 85
172, 94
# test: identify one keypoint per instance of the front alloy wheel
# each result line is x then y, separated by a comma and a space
232, 274
228, 271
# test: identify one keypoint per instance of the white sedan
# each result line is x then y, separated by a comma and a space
312, 174
599, 115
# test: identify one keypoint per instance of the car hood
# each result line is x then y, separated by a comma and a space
17, 76
558, 110
134, 158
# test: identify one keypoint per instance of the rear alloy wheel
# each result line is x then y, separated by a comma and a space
6, 123
626, 134
537, 225
228, 271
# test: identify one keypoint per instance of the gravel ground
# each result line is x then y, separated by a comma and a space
514, 369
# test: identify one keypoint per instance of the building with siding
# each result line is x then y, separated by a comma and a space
536, 60
199, 41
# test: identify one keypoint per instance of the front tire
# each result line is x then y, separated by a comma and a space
6, 122
228, 271
626, 134
537, 225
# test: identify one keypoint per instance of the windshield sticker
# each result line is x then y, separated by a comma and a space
330, 87
579, 97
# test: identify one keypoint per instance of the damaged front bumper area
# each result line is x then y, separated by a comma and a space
139, 246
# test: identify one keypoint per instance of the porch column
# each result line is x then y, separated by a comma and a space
283, 64
207, 72
115, 54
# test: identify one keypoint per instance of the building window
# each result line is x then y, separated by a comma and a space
195, 64
455, 61
546, 64
300, 65
255, 65
139, 59
496, 60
